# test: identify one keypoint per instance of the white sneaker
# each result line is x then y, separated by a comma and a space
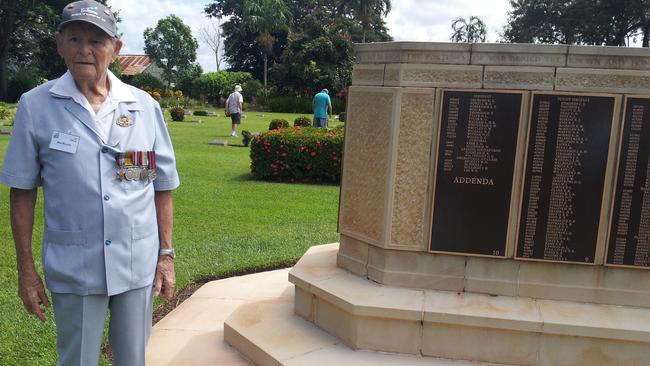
233, 134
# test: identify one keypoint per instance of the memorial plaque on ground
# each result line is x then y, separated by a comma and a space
629, 238
474, 174
564, 177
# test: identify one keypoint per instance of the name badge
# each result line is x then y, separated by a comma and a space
64, 142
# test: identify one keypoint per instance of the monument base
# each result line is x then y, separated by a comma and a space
443, 324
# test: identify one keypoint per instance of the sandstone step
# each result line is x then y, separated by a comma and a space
268, 333
466, 326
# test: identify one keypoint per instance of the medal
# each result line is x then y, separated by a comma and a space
130, 174
124, 121
136, 165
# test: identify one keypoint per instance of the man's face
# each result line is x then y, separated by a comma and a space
87, 50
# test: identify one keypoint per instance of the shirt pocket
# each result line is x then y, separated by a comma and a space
144, 252
63, 257
134, 185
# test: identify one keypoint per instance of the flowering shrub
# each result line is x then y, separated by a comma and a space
278, 123
7, 115
178, 113
302, 121
298, 154
248, 136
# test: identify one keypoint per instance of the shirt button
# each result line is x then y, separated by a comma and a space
107, 242
104, 150
106, 197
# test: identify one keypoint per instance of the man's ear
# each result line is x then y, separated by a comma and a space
118, 46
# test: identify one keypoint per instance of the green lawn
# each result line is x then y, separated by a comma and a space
224, 223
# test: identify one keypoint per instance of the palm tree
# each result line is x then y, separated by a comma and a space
365, 11
262, 17
468, 30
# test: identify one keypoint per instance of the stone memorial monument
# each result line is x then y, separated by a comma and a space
493, 208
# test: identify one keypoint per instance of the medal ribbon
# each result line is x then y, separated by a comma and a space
135, 159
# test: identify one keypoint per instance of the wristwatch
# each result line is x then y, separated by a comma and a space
170, 252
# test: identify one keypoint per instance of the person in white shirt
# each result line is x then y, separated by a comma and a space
234, 107
101, 152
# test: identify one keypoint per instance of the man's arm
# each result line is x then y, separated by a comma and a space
165, 277
30, 285
329, 109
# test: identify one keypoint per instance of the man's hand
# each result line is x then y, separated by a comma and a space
32, 293
165, 278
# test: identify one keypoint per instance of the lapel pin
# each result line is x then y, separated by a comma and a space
125, 121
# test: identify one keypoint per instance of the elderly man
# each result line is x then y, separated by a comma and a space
102, 154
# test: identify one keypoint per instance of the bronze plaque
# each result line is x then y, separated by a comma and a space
564, 176
475, 166
629, 237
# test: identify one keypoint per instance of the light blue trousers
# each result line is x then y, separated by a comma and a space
80, 327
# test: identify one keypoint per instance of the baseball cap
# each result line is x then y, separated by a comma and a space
92, 12
325, 91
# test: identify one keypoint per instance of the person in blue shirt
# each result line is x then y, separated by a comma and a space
322, 108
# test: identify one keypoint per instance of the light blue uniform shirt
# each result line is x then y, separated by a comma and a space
101, 233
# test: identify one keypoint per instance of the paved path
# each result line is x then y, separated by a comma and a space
192, 334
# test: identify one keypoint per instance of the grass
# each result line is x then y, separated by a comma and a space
224, 223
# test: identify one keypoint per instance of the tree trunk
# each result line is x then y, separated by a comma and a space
3, 74
265, 69
646, 35
6, 27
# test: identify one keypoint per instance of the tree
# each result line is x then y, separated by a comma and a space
318, 56
211, 35
171, 46
610, 22
261, 18
27, 30
365, 11
468, 30
314, 51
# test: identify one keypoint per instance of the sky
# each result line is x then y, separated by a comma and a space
409, 20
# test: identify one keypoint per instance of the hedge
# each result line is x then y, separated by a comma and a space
278, 123
290, 104
298, 154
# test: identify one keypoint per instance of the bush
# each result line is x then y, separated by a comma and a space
252, 88
246, 137
277, 124
302, 121
21, 81
7, 114
298, 154
214, 85
200, 113
342, 116
338, 105
290, 104
178, 113
146, 81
